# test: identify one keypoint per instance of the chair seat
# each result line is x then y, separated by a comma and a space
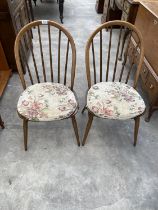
46, 102
114, 100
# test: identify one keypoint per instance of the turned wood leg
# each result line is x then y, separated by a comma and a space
61, 9
136, 128
1, 123
25, 130
74, 123
89, 123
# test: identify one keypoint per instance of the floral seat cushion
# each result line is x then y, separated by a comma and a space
114, 100
47, 101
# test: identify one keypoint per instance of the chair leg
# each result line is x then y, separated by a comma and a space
1, 123
136, 128
74, 123
31, 11
61, 9
89, 123
25, 130
84, 108
35, 2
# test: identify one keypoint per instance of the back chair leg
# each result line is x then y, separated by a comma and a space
136, 128
89, 123
1, 123
84, 108
74, 123
35, 2
25, 130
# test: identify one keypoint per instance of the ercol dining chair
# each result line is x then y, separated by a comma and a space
50, 95
109, 96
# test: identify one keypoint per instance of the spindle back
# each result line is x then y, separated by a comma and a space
105, 47
52, 54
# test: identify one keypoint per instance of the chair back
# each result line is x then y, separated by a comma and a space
104, 51
51, 57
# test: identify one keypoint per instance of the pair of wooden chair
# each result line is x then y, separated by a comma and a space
50, 96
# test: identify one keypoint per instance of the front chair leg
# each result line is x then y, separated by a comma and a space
25, 130
136, 128
89, 123
74, 123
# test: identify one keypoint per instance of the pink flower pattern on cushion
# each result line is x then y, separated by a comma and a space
114, 100
46, 102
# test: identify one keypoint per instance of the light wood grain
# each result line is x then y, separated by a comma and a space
151, 6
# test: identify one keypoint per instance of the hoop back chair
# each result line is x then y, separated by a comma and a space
50, 72
109, 96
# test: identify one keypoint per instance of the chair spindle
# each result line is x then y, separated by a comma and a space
132, 62
101, 52
94, 65
33, 56
41, 52
66, 63
22, 55
50, 53
109, 50
125, 55
117, 53
59, 44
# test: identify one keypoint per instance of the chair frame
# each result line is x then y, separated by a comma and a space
106, 26
26, 28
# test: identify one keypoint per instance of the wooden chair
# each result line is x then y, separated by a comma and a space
50, 95
109, 96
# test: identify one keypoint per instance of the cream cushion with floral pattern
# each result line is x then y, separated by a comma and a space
47, 101
114, 100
